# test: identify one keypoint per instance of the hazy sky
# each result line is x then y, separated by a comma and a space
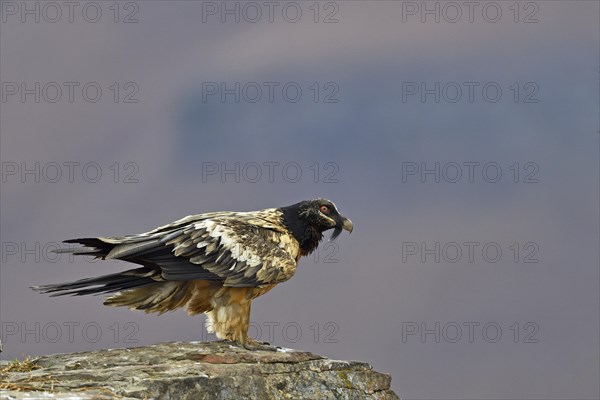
462, 140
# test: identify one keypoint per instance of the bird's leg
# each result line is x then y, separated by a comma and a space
230, 318
252, 344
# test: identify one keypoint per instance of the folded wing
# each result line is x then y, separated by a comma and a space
236, 249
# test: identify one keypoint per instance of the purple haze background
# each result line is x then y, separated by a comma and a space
370, 294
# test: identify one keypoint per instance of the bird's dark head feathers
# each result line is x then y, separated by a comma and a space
308, 220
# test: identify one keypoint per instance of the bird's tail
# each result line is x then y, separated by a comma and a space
131, 279
141, 288
99, 248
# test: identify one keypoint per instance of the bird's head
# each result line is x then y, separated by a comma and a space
322, 215
308, 220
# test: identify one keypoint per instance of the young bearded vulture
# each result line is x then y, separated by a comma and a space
213, 263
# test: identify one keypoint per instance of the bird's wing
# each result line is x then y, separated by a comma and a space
237, 249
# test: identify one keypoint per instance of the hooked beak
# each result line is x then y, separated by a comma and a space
344, 224
347, 225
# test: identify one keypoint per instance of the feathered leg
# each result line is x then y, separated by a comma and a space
229, 317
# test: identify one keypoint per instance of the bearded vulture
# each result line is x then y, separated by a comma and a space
214, 263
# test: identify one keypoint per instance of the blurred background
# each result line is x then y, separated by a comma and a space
462, 139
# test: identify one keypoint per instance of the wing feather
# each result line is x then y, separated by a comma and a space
237, 249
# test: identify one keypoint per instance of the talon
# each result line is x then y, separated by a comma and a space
254, 345
260, 346
226, 341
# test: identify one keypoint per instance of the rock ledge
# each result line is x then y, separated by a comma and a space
195, 370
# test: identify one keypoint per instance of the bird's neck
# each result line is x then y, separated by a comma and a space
309, 240
307, 236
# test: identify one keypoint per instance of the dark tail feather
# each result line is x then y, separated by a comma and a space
91, 247
102, 284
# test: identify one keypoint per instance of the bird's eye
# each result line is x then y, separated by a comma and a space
324, 209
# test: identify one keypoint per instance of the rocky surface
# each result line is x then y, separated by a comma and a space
184, 370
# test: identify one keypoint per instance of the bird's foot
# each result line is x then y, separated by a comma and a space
254, 345
227, 341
